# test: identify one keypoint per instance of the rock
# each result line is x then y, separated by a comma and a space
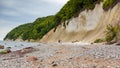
85, 66
117, 67
94, 66
32, 58
22, 45
59, 41
75, 41
8, 49
101, 66
71, 58
26, 50
54, 65
53, 62
118, 43
109, 67
1, 47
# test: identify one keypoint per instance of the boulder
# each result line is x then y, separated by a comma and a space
32, 58
27, 50
8, 49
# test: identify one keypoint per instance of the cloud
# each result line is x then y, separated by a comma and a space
3, 32
60, 2
10, 13
5, 27
16, 12
8, 23
30, 7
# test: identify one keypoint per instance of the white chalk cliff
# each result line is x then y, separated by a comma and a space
87, 27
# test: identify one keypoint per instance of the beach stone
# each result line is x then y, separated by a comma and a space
54, 65
100, 66
85, 66
8, 49
1, 47
118, 43
109, 67
32, 58
94, 66
26, 50
117, 67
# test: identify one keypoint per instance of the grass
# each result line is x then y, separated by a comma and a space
4, 52
108, 4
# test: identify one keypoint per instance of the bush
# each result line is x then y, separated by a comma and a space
112, 33
98, 41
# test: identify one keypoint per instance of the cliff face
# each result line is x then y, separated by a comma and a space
87, 27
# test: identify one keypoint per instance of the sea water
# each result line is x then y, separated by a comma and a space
17, 45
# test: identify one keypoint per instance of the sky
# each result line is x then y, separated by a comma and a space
17, 12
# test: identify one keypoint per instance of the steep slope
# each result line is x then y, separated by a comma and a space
87, 27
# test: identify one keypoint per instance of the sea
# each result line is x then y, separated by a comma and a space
17, 45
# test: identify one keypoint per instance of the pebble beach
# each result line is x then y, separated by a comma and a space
63, 55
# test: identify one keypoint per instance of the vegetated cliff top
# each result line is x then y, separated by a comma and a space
42, 26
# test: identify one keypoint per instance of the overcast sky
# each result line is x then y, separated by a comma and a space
16, 12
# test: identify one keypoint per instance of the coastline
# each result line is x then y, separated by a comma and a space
21, 40
17, 45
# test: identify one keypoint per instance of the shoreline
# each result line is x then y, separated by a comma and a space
15, 45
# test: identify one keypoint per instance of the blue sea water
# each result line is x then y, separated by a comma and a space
17, 45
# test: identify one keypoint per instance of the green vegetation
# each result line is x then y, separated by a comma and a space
3, 52
18, 31
74, 7
35, 30
112, 33
108, 3
98, 41
41, 26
